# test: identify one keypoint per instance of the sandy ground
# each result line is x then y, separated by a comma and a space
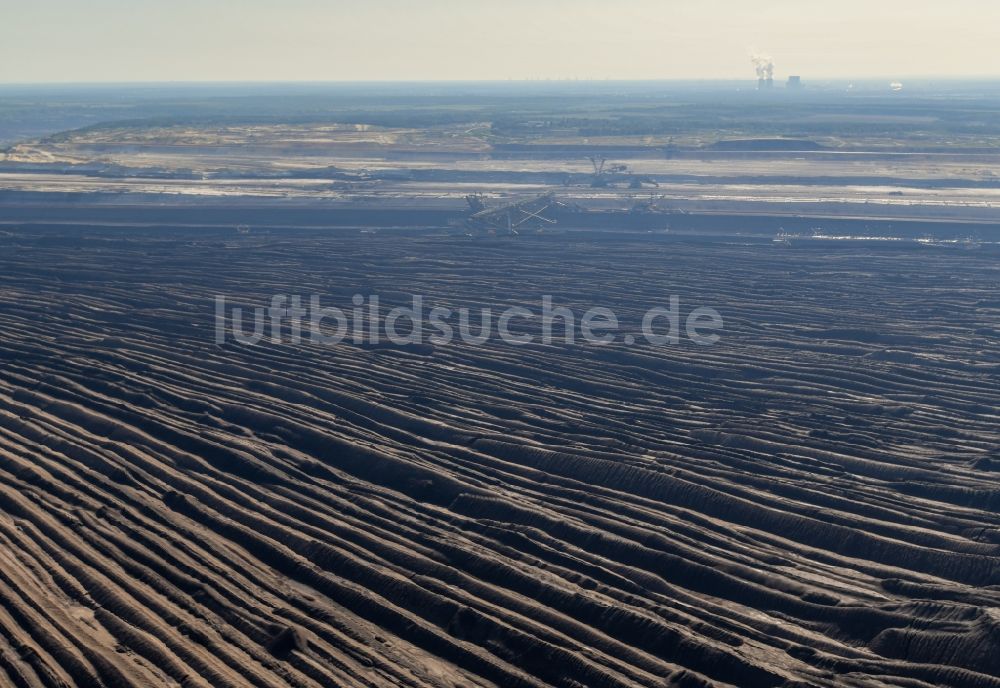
810, 502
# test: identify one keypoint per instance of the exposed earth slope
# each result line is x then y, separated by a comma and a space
812, 501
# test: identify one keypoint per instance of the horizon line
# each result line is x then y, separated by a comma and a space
519, 80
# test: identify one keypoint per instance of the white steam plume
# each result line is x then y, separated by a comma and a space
764, 66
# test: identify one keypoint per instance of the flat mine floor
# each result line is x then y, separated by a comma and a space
811, 501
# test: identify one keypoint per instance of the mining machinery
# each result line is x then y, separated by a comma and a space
510, 218
609, 175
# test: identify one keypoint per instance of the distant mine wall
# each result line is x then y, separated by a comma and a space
60, 208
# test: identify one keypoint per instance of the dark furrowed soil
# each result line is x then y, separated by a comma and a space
811, 501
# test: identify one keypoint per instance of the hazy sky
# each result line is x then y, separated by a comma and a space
330, 40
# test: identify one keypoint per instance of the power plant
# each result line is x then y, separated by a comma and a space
794, 82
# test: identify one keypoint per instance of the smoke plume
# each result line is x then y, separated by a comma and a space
764, 66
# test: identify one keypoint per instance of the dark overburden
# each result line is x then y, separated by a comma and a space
811, 501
